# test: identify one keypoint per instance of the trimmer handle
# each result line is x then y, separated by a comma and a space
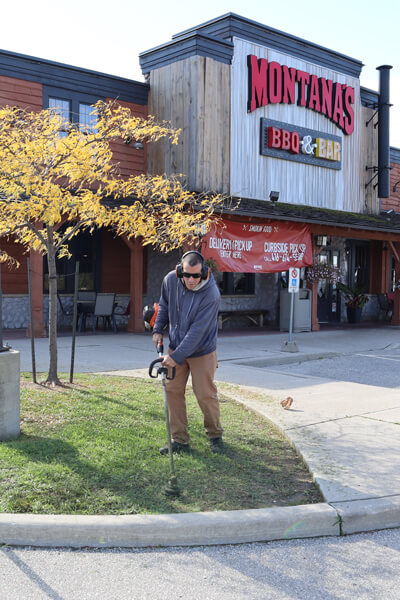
160, 348
160, 370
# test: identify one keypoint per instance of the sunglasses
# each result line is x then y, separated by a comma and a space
194, 275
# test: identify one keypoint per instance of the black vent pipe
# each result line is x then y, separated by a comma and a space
383, 133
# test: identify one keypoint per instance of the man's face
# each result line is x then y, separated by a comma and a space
191, 282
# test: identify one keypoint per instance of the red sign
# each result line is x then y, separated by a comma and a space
273, 83
262, 247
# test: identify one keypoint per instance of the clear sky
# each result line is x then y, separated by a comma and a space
108, 35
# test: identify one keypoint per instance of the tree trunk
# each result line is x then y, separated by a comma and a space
52, 376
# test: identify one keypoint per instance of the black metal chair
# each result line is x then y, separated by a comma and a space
86, 301
385, 305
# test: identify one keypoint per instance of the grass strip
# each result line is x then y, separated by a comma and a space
92, 448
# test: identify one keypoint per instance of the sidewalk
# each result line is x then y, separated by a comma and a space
347, 432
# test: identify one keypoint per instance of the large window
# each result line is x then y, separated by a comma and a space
232, 284
87, 249
71, 106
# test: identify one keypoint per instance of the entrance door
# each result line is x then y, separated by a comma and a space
328, 307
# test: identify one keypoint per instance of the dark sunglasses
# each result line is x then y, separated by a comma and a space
194, 275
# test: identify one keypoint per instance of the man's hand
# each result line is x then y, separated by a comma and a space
157, 339
168, 361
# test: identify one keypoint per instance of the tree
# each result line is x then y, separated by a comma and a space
54, 173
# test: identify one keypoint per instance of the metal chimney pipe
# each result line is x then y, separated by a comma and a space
383, 133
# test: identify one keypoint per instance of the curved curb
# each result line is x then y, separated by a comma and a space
187, 529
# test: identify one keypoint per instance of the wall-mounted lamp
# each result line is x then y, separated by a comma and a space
395, 185
321, 240
136, 145
274, 196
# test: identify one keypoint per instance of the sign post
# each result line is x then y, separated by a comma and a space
293, 288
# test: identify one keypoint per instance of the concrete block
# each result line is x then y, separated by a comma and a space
367, 515
189, 529
9, 395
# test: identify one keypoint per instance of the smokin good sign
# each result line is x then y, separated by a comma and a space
273, 83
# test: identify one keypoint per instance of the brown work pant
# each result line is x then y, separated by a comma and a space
202, 369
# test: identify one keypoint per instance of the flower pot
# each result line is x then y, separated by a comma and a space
354, 314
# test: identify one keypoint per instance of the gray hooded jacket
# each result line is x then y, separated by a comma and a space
192, 316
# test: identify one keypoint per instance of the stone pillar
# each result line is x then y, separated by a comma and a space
9, 395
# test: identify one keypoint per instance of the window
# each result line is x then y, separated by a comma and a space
87, 249
63, 109
232, 284
72, 106
87, 120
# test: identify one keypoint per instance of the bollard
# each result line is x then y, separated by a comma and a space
9, 395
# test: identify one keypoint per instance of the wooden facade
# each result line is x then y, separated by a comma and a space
254, 176
194, 95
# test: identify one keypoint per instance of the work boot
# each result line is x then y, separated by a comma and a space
216, 445
176, 447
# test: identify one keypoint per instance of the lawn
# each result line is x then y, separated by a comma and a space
92, 448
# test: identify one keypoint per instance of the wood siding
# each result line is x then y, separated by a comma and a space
14, 280
393, 202
254, 176
131, 161
193, 94
369, 152
18, 92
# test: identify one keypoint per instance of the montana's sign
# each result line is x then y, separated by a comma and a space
273, 83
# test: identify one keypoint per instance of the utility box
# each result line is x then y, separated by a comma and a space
301, 310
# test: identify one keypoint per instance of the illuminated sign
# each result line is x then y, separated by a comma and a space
273, 83
289, 142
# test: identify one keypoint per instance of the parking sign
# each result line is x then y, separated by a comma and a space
294, 280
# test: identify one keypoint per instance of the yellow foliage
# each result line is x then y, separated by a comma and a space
47, 179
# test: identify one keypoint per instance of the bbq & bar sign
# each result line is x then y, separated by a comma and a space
262, 247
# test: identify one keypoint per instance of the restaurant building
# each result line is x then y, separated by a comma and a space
283, 125
279, 125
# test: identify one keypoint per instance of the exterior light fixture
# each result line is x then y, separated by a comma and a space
395, 186
274, 196
136, 145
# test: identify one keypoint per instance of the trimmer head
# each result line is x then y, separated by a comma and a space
172, 487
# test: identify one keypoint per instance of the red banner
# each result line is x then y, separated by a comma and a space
262, 247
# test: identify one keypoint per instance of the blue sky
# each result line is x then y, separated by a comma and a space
108, 36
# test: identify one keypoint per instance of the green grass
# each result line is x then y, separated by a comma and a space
92, 448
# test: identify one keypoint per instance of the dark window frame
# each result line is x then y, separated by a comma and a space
74, 99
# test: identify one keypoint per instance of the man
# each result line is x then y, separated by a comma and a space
189, 302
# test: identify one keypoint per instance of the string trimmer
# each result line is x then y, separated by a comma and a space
172, 488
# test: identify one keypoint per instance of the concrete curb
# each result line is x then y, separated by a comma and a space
188, 529
285, 359
366, 515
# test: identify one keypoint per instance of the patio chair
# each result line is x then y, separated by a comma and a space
104, 309
385, 305
86, 301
